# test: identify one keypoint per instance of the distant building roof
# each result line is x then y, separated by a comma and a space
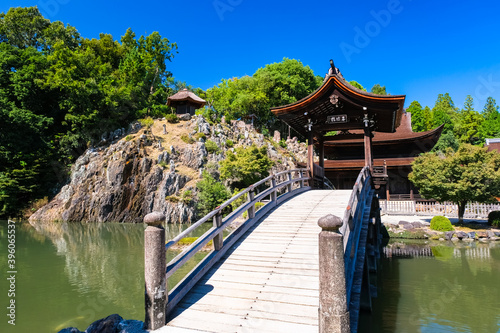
185, 96
493, 144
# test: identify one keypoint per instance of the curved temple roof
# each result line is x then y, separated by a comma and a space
185, 95
336, 97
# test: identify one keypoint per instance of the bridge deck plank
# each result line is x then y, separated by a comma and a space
269, 280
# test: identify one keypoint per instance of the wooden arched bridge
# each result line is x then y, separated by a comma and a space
272, 273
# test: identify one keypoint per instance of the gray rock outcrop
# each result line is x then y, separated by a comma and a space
124, 180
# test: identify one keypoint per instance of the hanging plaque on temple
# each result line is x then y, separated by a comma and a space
337, 119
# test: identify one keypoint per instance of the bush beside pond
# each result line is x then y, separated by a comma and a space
441, 223
494, 218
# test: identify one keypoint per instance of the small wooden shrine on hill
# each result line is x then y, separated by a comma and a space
185, 101
368, 130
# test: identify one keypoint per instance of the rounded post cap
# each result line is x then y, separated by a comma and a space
330, 222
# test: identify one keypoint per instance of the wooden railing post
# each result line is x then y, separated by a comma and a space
156, 296
289, 186
219, 238
251, 210
301, 183
274, 195
333, 313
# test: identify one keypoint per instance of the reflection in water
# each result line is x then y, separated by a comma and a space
70, 274
455, 290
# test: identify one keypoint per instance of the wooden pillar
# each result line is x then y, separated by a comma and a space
310, 155
322, 153
368, 143
322, 160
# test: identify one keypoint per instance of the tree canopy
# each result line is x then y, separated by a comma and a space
471, 173
245, 166
273, 85
59, 92
460, 126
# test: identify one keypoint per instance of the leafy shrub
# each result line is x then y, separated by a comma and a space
187, 196
441, 223
246, 166
147, 122
128, 137
229, 143
212, 193
282, 143
187, 139
172, 118
211, 146
494, 218
200, 135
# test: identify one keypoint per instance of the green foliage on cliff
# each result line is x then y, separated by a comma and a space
60, 91
245, 166
211, 194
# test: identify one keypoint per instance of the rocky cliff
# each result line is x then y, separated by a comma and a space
142, 170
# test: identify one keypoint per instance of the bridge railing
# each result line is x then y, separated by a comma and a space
280, 187
352, 223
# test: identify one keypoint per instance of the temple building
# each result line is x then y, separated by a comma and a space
351, 129
185, 101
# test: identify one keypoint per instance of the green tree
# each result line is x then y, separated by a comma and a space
245, 166
469, 174
379, 90
490, 127
444, 112
469, 123
212, 193
273, 85
357, 85
59, 92
419, 117
446, 140
490, 109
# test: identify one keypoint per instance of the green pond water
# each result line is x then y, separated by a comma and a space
455, 290
73, 274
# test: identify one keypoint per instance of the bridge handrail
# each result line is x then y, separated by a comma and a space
351, 225
228, 202
221, 223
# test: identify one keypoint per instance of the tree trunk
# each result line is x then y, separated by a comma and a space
461, 211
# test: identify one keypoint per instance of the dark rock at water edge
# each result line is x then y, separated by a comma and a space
462, 235
409, 226
448, 235
105, 325
70, 330
111, 324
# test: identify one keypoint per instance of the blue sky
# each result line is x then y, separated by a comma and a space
418, 48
